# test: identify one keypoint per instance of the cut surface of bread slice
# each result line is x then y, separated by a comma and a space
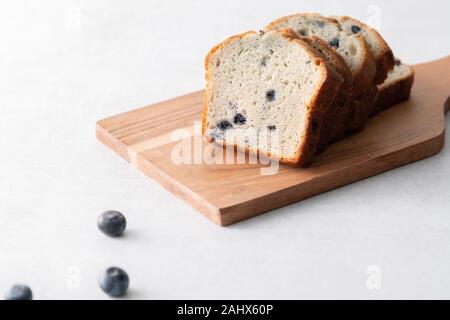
267, 93
335, 121
381, 51
352, 48
396, 88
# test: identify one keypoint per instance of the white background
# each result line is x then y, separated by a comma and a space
66, 64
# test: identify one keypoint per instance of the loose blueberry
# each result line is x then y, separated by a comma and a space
356, 29
112, 223
224, 125
114, 282
19, 292
272, 128
270, 95
239, 119
334, 43
398, 62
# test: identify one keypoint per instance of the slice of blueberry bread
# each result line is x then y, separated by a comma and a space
334, 124
267, 93
380, 49
354, 51
396, 88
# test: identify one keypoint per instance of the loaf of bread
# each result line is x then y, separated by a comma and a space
303, 82
354, 51
396, 88
268, 93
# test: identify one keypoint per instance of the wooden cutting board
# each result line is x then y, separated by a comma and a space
227, 193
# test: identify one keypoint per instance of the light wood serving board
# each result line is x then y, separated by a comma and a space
229, 193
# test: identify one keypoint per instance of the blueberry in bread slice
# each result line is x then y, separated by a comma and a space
354, 51
381, 51
335, 120
396, 88
261, 86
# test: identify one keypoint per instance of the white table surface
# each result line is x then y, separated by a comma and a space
66, 64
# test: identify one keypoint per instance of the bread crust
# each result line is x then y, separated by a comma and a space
335, 120
362, 104
366, 102
394, 93
273, 25
384, 57
318, 107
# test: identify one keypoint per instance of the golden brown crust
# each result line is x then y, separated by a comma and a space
289, 34
335, 121
362, 113
318, 107
275, 23
395, 93
385, 64
363, 95
320, 103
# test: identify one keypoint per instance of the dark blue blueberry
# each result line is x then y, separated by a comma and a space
272, 128
114, 282
334, 43
239, 119
320, 23
19, 292
224, 125
270, 95
398, 62
356, 29
112, 223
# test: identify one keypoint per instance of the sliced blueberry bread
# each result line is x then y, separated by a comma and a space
380, 49
396, 88
354, 51
267, 85
334, 124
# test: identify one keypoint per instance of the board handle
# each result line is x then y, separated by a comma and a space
444, 67
440, 70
